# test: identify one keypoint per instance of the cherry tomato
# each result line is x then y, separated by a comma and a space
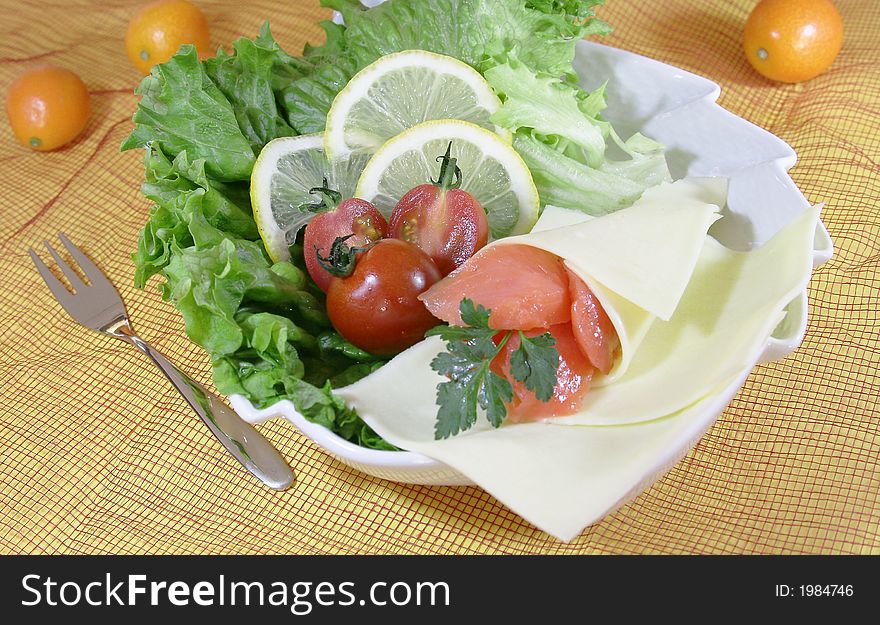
447, 223
157, 31
335, 219
377, 306
48, 107
793, 40
572, 378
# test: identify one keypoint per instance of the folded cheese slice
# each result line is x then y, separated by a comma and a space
731, 306
636, 261
683, 345
562, 478
645, 253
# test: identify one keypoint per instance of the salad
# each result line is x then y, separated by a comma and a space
424, 230
314, 216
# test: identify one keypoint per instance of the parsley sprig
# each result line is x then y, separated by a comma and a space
470, 350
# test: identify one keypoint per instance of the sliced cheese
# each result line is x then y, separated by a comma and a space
558, 217
732, 305
559, 478
645, 253
636, 261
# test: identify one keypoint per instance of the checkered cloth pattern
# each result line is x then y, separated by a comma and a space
100, 455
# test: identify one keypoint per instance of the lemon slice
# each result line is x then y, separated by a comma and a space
491, 171
285, 171
404, 89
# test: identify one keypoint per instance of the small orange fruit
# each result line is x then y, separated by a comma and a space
47, 107
160, 28
793, 40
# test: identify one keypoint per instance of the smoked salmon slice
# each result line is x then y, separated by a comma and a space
572, 378
592, 328
524, 287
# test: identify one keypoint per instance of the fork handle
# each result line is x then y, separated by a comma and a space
240, 438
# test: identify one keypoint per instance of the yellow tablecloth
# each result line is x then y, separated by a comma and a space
100, 455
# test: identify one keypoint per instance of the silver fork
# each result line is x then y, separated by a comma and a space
99, 307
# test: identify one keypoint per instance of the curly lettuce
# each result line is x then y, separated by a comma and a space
563, 139
185, 111
246, 79
542, 33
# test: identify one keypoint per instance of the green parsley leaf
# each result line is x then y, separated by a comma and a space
475, 316
458, 409
460, 333
494, 393
535, 363
466, 364
458, 400
472, 383
476, 320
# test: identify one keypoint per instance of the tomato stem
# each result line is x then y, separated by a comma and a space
341, 260
450, 172
330, 199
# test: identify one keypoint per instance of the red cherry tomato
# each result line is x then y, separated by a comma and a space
447, 223
377, 306
335, 219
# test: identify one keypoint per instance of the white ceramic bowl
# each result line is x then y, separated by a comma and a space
678, 109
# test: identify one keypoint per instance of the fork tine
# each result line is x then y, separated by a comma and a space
55, 285
89, 268
72, 276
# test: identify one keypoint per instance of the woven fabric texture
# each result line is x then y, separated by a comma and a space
100, 454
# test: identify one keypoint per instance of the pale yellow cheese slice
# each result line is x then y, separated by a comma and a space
645, 253
560, 478
732, 305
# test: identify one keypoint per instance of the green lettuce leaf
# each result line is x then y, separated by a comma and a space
332, 344
180, 189
212, 280
307, 100
569, 183
184, 111
320, 405
646, 164
544, 34
266, 361
268, 366
563, 139
548, 106
247, 77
